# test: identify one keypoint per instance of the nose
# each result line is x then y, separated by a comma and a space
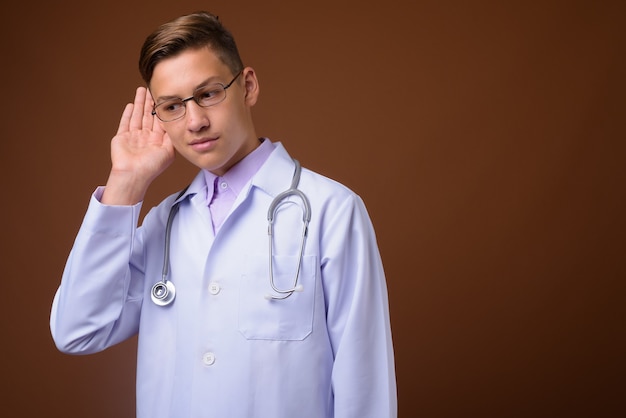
197, 116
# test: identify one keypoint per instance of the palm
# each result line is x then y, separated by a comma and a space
141, 146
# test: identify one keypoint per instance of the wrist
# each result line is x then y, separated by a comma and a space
123, 189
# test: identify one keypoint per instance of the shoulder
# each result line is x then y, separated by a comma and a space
319, 184
276, 175
332, 201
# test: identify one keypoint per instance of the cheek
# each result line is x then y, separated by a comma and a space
175, 133
232, 119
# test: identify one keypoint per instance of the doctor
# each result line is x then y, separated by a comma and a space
226, 343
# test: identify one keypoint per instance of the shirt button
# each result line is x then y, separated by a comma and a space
208, 358
224, 185
214, 288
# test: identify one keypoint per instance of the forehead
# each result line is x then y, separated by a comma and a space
181, 74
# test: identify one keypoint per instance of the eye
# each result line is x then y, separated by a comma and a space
171, 106
209, 94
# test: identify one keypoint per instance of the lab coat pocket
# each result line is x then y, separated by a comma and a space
288, 319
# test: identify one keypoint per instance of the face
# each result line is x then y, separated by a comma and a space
213, 138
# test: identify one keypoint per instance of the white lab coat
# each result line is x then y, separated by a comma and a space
222, 349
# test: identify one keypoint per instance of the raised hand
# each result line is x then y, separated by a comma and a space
140, 151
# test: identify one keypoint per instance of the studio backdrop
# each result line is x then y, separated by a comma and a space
486, 139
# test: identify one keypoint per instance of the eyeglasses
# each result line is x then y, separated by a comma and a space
205, 96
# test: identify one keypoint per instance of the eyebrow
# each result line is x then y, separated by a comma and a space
210, 80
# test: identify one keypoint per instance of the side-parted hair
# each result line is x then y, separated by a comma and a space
196, 30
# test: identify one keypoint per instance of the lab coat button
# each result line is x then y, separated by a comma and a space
208, 358
214, 288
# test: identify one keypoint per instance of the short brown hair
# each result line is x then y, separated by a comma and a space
195, 30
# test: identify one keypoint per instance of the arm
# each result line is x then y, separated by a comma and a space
358, 317
98, 301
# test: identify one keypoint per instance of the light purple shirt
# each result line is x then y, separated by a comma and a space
225, 189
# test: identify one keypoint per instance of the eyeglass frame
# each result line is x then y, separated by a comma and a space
196, 100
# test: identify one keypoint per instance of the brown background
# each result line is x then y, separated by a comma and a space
486, 138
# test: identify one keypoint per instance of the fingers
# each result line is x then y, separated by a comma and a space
125, 119
137, 116
148, 119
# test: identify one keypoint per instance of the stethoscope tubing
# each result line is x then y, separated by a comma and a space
163, 292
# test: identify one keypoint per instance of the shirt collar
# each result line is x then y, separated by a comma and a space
242, 172
278, 165
237, 177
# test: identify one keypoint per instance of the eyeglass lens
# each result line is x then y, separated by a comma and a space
205, 96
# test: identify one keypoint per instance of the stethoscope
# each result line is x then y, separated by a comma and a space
163, 292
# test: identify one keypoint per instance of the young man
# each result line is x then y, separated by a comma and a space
231, 323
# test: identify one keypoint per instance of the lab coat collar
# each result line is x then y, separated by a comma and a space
195, 187
276, 174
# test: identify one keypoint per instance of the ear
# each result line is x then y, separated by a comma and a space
251, 86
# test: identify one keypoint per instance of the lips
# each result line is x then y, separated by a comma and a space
201, 140
203, 144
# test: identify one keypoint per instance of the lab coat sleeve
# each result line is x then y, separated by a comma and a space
363, 376
98, 301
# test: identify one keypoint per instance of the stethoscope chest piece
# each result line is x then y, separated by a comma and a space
163, 293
